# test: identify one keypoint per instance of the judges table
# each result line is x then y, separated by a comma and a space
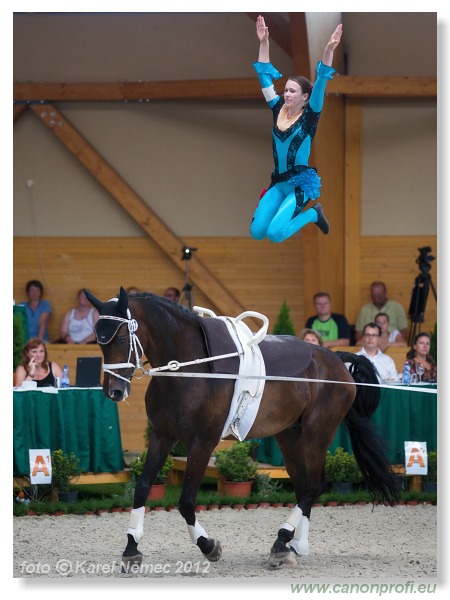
402, 415
79, 420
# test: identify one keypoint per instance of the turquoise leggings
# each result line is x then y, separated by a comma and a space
273, 217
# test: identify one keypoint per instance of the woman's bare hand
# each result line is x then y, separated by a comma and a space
335, 38
261, 30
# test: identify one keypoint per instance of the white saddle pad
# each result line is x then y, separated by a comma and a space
247, 392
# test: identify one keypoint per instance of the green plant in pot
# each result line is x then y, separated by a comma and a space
65, 469
430, 481
20, 332
236, 466
265, 486
341, 468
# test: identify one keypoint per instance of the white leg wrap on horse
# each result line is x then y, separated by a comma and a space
293, 520
195, 531
300, 541
136, 524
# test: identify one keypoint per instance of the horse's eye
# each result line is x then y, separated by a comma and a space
122, 339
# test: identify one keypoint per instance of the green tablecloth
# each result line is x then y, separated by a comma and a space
401, 416
76, 420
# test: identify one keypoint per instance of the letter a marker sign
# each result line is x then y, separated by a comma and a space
40, 466
416, 458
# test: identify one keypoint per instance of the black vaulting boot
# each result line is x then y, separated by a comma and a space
322, 222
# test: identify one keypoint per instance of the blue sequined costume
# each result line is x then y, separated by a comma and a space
280, 211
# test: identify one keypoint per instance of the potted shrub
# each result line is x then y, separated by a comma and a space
430, 481
237, 467
341, 470
65, 468
265, 486
20, 332
158, 488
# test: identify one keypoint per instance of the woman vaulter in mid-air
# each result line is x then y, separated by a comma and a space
280, 212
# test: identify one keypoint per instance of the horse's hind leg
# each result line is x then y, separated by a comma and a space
304, 462
195, 468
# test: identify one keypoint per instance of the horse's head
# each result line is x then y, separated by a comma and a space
115, 332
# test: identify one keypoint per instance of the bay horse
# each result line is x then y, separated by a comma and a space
303, 416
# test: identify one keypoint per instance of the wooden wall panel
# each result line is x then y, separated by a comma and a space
259, 274
352, 245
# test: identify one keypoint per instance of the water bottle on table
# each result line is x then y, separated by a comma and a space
406, 379
65, 381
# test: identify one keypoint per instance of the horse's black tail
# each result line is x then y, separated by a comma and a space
368, 445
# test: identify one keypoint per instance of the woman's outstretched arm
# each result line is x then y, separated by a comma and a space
331, 46
266, 71
325, 70
263, 35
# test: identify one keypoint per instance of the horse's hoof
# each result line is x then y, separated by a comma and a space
291, 560
215, 553
277, 559
131, 564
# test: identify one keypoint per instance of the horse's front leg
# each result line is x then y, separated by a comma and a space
157, 453
197, 462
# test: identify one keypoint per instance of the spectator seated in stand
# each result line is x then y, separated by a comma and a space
381, 303
173, 294
333, 327
311, 336
132, 290
388, 338
78, 324
38, 310
419, 354
36, 366
383, 363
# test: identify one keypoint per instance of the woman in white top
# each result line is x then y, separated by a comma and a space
388, 338
78, 324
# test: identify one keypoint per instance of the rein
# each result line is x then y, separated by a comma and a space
156, 372
174, 365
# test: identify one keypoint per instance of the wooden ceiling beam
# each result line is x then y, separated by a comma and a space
383, 87
216, 89
300, 45
18, 111
135, 206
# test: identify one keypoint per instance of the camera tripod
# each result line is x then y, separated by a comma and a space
186, 294
422, 284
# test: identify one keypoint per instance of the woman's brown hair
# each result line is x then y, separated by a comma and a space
32, 344
304, 83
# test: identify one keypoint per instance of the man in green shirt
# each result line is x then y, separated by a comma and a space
333, 327
381, 303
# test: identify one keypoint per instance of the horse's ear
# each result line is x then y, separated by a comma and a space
122, 303
93, 300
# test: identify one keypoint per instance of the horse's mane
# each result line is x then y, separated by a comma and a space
165, 303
